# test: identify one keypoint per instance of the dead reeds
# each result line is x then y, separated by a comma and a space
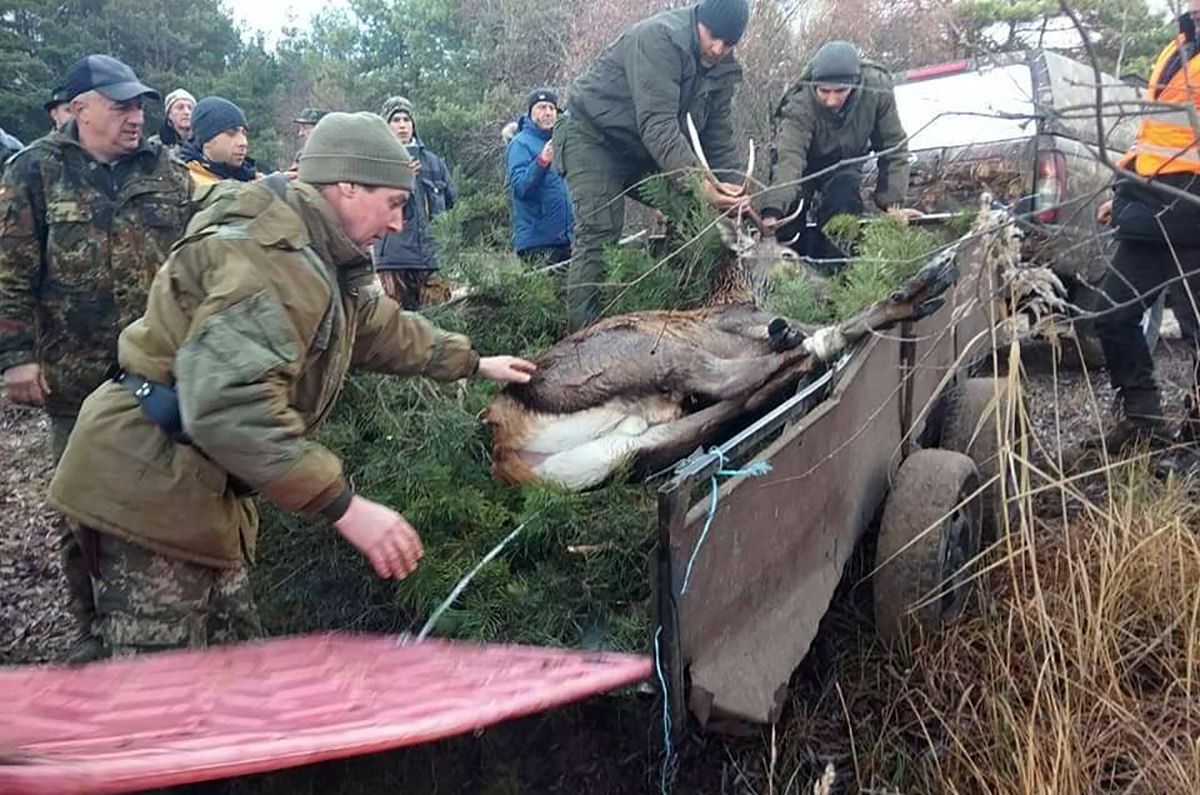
1074, 671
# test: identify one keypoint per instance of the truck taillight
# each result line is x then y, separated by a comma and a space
938, 70
1051, 185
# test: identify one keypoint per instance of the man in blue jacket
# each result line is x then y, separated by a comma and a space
543, 223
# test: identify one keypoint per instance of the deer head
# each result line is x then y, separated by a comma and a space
761, 260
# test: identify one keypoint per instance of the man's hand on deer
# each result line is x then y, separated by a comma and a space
507, 369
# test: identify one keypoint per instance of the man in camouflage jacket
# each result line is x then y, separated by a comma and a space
250, 329
841, 109
87, 215
627, 120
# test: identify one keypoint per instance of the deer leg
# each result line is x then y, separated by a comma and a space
722, 379
663, 445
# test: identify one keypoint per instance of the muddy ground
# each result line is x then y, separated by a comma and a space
606, 746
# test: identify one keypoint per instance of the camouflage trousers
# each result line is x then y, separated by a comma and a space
79, 582
147, 602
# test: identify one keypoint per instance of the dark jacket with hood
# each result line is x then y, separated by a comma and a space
810, 138
434, 193
639, 91
542, 214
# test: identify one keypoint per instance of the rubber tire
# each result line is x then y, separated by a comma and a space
912, 561
970, 428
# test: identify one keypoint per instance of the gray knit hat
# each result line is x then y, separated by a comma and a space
725, 19
394, 105
355, 147
837, 62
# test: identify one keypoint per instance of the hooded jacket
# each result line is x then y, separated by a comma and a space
542, 214
640, 90
433, 194
256, 319
79, 243
809, 137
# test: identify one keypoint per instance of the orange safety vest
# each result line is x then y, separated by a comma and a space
1166, 139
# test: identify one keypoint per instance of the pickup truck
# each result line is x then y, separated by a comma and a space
1023, 126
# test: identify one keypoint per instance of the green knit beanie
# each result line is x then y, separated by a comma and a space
355, 147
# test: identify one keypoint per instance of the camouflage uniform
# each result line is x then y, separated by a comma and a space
147, 602
79, 243
255, 320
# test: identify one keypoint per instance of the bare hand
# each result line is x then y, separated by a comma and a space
507, 369
904, 214
1104, 213
547, 154
24, 383
723, 195
384, 536
415, 165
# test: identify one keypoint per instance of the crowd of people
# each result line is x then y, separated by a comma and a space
186, 321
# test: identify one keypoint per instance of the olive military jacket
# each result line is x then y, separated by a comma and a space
810, 138
80, 242
639, 90
255, 319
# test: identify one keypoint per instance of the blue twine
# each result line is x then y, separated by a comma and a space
667, 771
757, 469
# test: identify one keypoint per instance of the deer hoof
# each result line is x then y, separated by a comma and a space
783, 336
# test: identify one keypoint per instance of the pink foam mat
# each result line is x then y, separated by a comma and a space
188, 716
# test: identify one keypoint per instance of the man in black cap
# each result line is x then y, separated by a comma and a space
543, 223
87, 215
219, 145
841, 108
58, 107
627, 121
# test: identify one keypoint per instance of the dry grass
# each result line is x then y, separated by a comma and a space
1074, 672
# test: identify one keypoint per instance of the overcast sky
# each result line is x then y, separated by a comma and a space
271, 16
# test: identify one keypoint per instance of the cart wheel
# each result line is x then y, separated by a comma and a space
927, 540
970, 428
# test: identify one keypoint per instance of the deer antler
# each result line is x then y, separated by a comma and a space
699, 150
745, 210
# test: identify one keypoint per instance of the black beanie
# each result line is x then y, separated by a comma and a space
837, 62
213, 116
541, 95
726, 19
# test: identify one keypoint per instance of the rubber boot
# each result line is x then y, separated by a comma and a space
1141, 423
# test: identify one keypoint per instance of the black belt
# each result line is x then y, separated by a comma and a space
159, 403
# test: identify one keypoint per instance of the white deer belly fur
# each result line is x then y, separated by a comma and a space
582, 449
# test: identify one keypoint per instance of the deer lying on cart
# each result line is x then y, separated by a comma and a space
644, 389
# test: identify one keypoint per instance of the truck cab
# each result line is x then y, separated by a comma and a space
1031, 128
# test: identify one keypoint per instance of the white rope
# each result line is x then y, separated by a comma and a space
462, 584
